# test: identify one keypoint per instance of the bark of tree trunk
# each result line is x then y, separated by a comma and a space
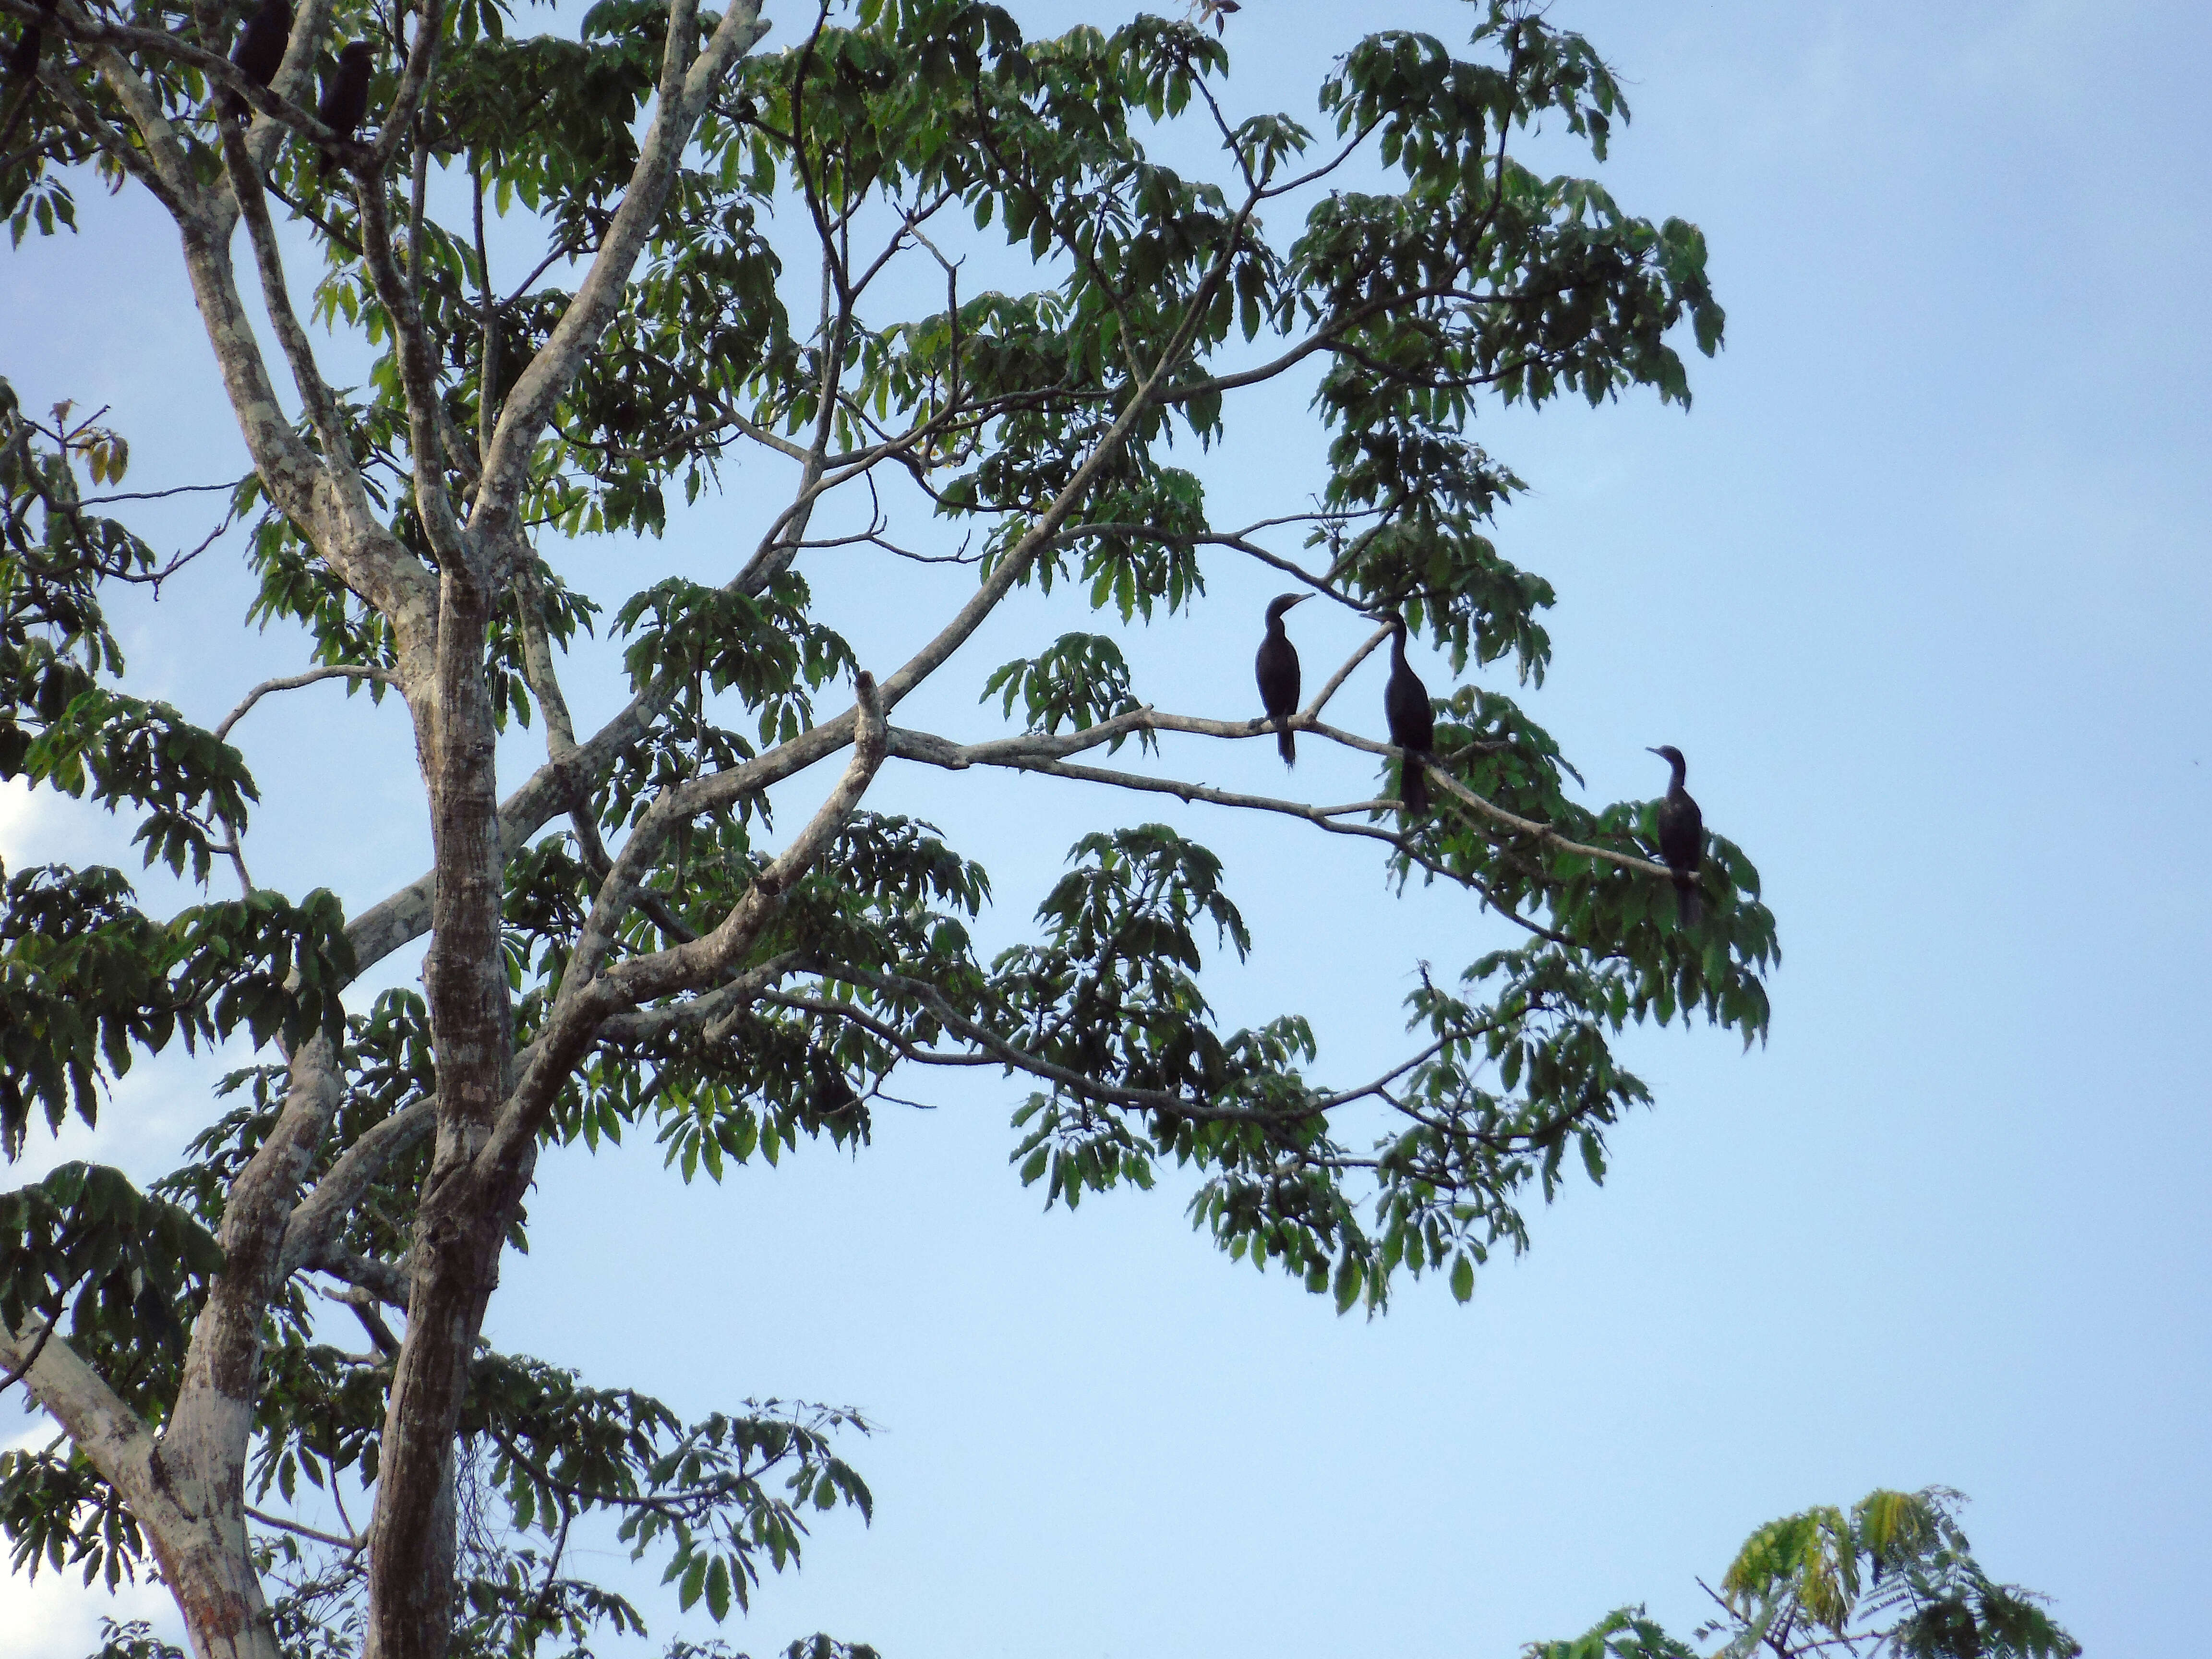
200, 1462
462, 1220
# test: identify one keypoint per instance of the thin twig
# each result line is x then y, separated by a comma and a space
163, 495
351, 1545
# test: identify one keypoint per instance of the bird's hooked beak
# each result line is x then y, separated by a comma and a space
1660, 752
1303, 598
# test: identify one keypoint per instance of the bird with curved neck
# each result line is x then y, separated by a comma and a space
1681, 837
1412, 722
1276, 668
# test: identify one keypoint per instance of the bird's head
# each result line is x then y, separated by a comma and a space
1671, 755
1283, 602
357, 54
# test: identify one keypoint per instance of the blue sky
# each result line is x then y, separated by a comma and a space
1922, 587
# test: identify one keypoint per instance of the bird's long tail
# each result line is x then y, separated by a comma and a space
1286, 744
1414, 786
1689, 906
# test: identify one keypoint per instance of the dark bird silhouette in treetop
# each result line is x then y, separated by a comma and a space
1276, 668
1681, 837
345, 94
259, 50
23, 56
1412, 722
23, 69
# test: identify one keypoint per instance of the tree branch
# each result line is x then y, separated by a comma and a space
352, 1546
710, 1013
292, 682
386, 1281
683, 98
212, 1420
589, 996
418, 377
312, 1230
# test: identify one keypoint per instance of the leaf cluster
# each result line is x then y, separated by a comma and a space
125, 1267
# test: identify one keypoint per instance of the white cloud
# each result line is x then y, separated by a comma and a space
18, 808
54, 1616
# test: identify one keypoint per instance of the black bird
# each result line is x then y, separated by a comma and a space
1276, 668
1412, 722
345, 94
833, 1090
22, 70
259, 50
23, 56
1681, 837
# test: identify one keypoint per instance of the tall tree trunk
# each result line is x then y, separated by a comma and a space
462, 1218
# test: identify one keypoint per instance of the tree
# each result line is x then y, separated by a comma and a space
1895, 1576
624, 939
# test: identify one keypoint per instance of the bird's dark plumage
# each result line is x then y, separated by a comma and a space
1276, 668
345, 94
1681, 837
259, 48
1412, 722
23, 56
22, 70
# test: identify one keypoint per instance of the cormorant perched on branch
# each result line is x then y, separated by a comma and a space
1412, 722
1681, 837
259, 50
345, 94
1276, 668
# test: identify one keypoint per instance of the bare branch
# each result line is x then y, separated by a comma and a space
487, 316
1312, 710
393, 922
1542, 832
292, 682
351, 1545
1041, 754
